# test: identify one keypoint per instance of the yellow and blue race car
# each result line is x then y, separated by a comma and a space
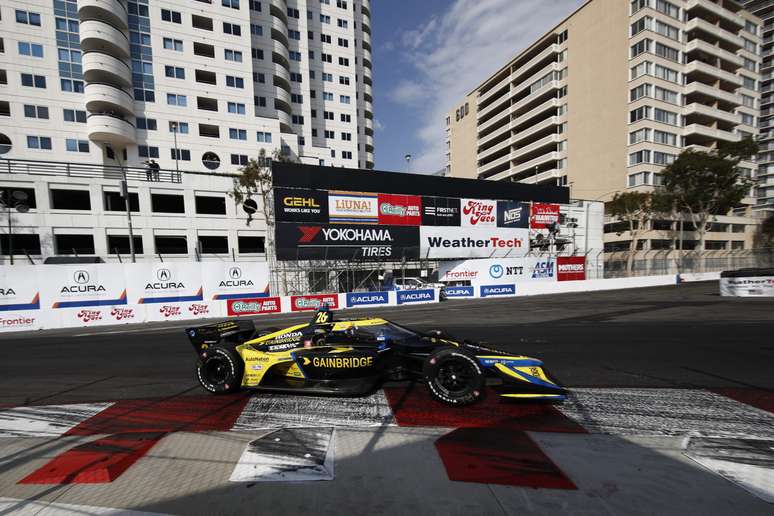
353, 357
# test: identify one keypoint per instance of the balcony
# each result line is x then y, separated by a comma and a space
697, 67
284, 121
708, 112
97, 36
106, 98
553, 49
111, 11
488, 167
367, 75
366, 7
495, 89
279, 31
547, 141
281, 76
709, 91
111, 130
494, 149
99, 67
720, 12
279, 49
708, 48
549, 176
530, 165
503, 114
279, 9
706, 134
282, 95
493, 135
729, 38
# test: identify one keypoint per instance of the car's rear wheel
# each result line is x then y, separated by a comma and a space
219, 370
454, 377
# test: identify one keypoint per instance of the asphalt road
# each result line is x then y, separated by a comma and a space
684, 336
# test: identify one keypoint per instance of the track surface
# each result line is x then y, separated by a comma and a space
680, 337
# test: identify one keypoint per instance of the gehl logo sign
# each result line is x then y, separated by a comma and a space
235, 279
300, 202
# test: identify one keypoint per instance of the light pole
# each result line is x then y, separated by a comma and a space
13, 199
407, 157
173, 126
127, 204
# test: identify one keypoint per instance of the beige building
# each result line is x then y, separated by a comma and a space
612, 94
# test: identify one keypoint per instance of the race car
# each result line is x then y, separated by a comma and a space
353, 357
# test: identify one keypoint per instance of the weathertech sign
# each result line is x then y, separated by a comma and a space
253, 306
543, 215
570, 268
441, 242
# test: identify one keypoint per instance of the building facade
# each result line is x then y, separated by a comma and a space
611, 95
197, 86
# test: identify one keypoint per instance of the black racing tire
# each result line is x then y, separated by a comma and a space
220, 370
454, 377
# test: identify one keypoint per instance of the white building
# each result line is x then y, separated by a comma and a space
197, 86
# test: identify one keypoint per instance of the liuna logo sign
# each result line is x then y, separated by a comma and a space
497, 290
366, 298
416, 296
459, 291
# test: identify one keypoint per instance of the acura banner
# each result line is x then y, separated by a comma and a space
346, 241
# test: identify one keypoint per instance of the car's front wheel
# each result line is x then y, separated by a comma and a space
219, 370
454, 377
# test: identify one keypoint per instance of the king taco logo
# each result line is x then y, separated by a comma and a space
88, 316
479, 213
120, 314
198, 309
170, 311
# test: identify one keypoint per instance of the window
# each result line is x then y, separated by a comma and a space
254, 5
73, 145
70, 199
256, 30
114, 202
639, 92
173, 44
30, 49
171, 16
236, 108
297, 119
257, 53
327, 77
74, 244
639, 48
264, 137
204, 50
259, 78
232, 28
665, 95
296, 77
330, 134
206, 77
27, 17
201, 22
667, 52
750, 46
667, 8
234, 4
174, 99
746, 82
293, 13
294, 34
343, 42
665, 138
344, 61
182, 127
250, 244
36, 112
326, 58
344, 99
294, 56
666, 117
207, 104
347, 137
640, 25
662, 158
324, 18
346, 154
237, 134
635, 158
749, 64
344, 80
667, 30
71, 85
235, 82
239, 159
209, 131
174, 72
259, 101
33, 81
342, 23
639, 136
346, 118
748, 101
180, 154
662, 72
170, 244
39, 142
639, 114
233, 55
642, 178
640, 70
119, 244
311, 55
213, 244
5, 110
296, 98
327, 96
328, 115
210, 205
325, 38
747, 119
341, 4
146, 151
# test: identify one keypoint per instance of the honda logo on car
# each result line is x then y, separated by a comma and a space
498, 290
367, 298
415, 296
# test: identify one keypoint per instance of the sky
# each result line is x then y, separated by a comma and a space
428, 54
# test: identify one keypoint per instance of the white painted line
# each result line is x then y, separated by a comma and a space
290, 410
621, 411
46, 421
288, 455
45, 508
748, 463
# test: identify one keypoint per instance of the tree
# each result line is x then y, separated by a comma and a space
255, 181
767, 231
706, 184
634, 209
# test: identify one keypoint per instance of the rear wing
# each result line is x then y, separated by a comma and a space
237, 331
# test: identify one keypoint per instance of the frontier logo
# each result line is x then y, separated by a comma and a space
308, 233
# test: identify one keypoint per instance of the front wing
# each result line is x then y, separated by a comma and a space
522, 378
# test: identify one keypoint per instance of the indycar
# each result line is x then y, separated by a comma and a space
353, 357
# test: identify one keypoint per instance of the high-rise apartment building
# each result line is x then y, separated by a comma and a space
611, 95
200, 86
764, 9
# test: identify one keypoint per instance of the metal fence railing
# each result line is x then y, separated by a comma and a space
656, 262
